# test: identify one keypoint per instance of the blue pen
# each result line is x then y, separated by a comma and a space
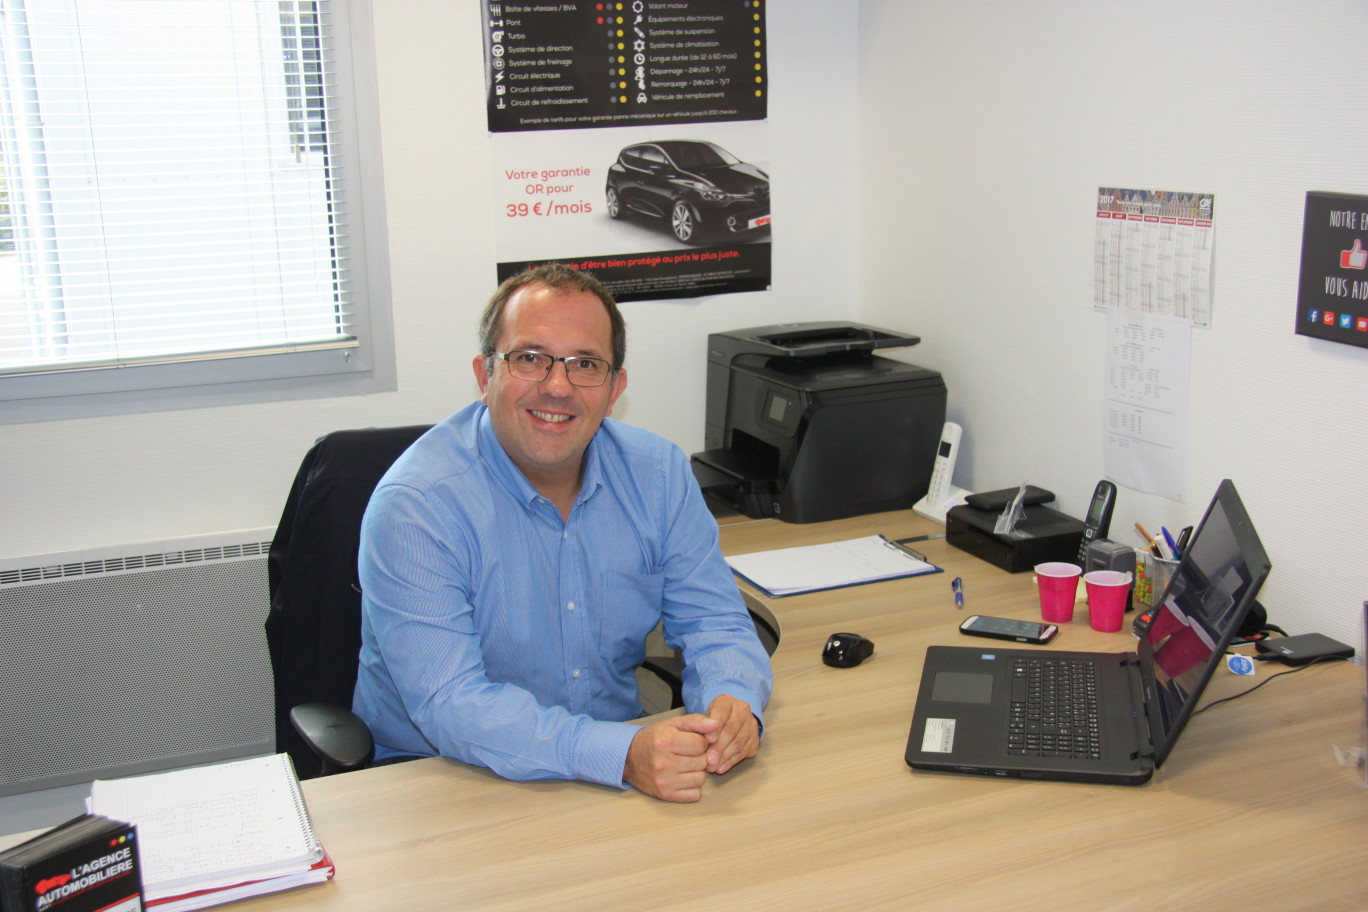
1173, 546
958, 585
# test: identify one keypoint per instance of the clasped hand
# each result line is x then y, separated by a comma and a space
671, 759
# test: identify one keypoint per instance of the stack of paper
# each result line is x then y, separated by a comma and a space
811, 568
211, 834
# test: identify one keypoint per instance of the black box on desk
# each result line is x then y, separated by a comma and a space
88, 864
1042, 535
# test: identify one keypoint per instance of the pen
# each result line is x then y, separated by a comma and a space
899, 546
957, 584
1173, 545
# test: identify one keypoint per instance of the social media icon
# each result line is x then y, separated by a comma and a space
1346, 321
1361, 324
1315, 316
1329, 318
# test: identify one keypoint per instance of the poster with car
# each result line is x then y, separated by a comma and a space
629, 139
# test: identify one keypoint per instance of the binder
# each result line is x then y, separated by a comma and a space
813, 568
216, 833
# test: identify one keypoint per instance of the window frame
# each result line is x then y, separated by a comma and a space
237, 378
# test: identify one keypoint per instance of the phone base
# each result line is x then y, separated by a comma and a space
1044, 535
936, 511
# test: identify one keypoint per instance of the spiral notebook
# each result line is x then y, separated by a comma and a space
214, 833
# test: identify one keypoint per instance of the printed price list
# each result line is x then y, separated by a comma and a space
637, 62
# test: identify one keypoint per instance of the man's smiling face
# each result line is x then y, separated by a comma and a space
545, 427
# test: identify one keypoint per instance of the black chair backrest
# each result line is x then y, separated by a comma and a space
313, 630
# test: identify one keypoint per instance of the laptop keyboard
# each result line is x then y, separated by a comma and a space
1054, 709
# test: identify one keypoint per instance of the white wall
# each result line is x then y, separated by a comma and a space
986, 129
68, 485
980, 132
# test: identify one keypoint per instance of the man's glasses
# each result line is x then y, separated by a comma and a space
536, 367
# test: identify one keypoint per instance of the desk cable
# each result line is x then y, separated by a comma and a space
1268, 658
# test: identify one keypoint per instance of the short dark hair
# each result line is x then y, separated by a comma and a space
563, 279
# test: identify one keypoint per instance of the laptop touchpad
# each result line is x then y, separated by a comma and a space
959, 687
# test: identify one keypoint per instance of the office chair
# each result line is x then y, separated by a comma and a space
313, 630
670, 668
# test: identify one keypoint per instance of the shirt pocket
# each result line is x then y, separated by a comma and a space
629, 609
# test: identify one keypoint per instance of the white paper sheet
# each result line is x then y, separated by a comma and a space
1149, 362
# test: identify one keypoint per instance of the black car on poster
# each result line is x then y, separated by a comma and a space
700, 188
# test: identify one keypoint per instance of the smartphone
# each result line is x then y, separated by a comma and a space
1009, 629
1098, 522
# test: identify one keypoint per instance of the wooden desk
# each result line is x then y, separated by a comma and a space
1251, 810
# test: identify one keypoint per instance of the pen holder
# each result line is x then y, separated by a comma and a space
1152, 575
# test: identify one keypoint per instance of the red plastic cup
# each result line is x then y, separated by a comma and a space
1058, 584
1108, 593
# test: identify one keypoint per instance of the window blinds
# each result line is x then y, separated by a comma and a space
172, 190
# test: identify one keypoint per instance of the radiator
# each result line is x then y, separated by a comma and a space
120, 661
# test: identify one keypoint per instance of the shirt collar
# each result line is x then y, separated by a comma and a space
511, 477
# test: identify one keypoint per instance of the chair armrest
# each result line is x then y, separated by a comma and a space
340, 739
670, 670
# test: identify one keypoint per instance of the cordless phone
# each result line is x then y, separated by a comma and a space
1098, 522
942, 493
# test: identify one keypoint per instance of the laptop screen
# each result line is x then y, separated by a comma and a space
1216, 581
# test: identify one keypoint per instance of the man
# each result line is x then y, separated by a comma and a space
514, 560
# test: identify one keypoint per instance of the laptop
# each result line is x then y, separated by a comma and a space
974, 711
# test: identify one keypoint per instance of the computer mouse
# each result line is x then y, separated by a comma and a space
846, 650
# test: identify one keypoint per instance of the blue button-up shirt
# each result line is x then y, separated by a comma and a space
497, 633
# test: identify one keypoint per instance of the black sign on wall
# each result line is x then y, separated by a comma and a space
1332, 299
555, 66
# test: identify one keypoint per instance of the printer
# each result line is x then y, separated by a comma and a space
805, 423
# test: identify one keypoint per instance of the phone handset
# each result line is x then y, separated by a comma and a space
1098, 522
942, 494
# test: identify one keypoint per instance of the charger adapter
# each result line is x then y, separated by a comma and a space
1303, 648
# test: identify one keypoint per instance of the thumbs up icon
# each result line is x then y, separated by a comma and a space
1354, 259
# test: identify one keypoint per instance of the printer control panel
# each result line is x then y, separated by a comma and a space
780, 409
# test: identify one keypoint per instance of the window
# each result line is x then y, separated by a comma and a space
183, 198
304, 91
